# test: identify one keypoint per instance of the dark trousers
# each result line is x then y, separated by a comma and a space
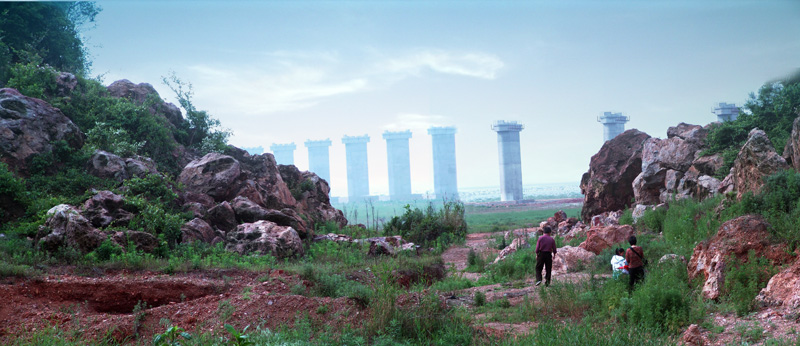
636, 275
544, 259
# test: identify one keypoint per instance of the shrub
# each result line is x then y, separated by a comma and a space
427, 227
480, 298
663, 301
106, 250
743, 281
12, 193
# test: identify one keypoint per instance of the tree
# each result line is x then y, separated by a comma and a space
44, 33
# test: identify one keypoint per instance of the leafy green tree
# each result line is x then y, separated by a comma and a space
201, 131
44, 33
772, 110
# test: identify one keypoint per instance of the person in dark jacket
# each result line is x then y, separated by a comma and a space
635, 257
545, 250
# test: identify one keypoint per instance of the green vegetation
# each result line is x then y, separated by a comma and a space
442, 226
482, 219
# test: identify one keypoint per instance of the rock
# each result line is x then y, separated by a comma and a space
783, 289
65, 226
380, 248
571, 259
29, 127
314, 197
265, 237
223, 217
756, 160
664, 162
143, 241
65, 83
671, 257
694, 336
639, 211
520, 242
560, 216
105, 209
262, 182
601, 238
214, 175
198, 230
608, 185
247, 211
577, 231
110, 166
709, 164
727, 184
688, 132
734, 238
339, 238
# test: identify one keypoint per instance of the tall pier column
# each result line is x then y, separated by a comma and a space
613, 124
284, 153
445, 181
357, 169
319, 159
508, 150
399, 161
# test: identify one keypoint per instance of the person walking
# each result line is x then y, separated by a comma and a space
545, 251
635, 257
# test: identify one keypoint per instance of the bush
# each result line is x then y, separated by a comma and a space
743, 281
425, 228
663, 301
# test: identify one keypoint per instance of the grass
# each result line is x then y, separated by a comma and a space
482, 219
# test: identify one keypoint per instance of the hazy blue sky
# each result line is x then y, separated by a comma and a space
288, 71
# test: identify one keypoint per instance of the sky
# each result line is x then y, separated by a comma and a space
289, 71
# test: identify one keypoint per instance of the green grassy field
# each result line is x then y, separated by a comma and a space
479, 221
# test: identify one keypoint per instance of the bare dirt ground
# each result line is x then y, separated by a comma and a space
106, 307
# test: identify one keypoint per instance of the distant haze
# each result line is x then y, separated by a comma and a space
288, 71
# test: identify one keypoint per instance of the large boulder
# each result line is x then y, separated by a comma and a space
265, 237
313, 195
608, 185
223, 217
757, 159
665, 162
247, 211
571, 259
735, 238
709, 164
519, 242
783, 289
111, 166
142, 241
601, 238
214, 175
65, 226
105, 209
198, 230
29, 127
263, 182
792, 151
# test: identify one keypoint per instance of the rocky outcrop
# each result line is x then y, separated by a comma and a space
756, 160
142, 241
783, 289
145, 94
110, 166
601, 238
735, 238
65, 226
791, 153
672, 167
608, 185
313, 195
265, 237
105, 208
694, 336
30, 126
240, 188
519, 242
572, 259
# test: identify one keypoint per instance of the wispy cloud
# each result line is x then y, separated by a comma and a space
416, 122
478, 65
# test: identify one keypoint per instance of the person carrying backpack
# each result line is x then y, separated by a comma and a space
635, 257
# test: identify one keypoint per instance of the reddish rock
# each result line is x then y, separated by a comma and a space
65, 226
601, 238
246, 211
222, 216
105, 209
519, 242
65, 83
694, 336
30, 126
688, 132
314, 197
756, 160
736, 238
380, 248
783, 289
265, 237
199, 230
142, 241
608, 185
214, 175
145, 94
571, 259
709, 164
560, 216
664, 162
794, 142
